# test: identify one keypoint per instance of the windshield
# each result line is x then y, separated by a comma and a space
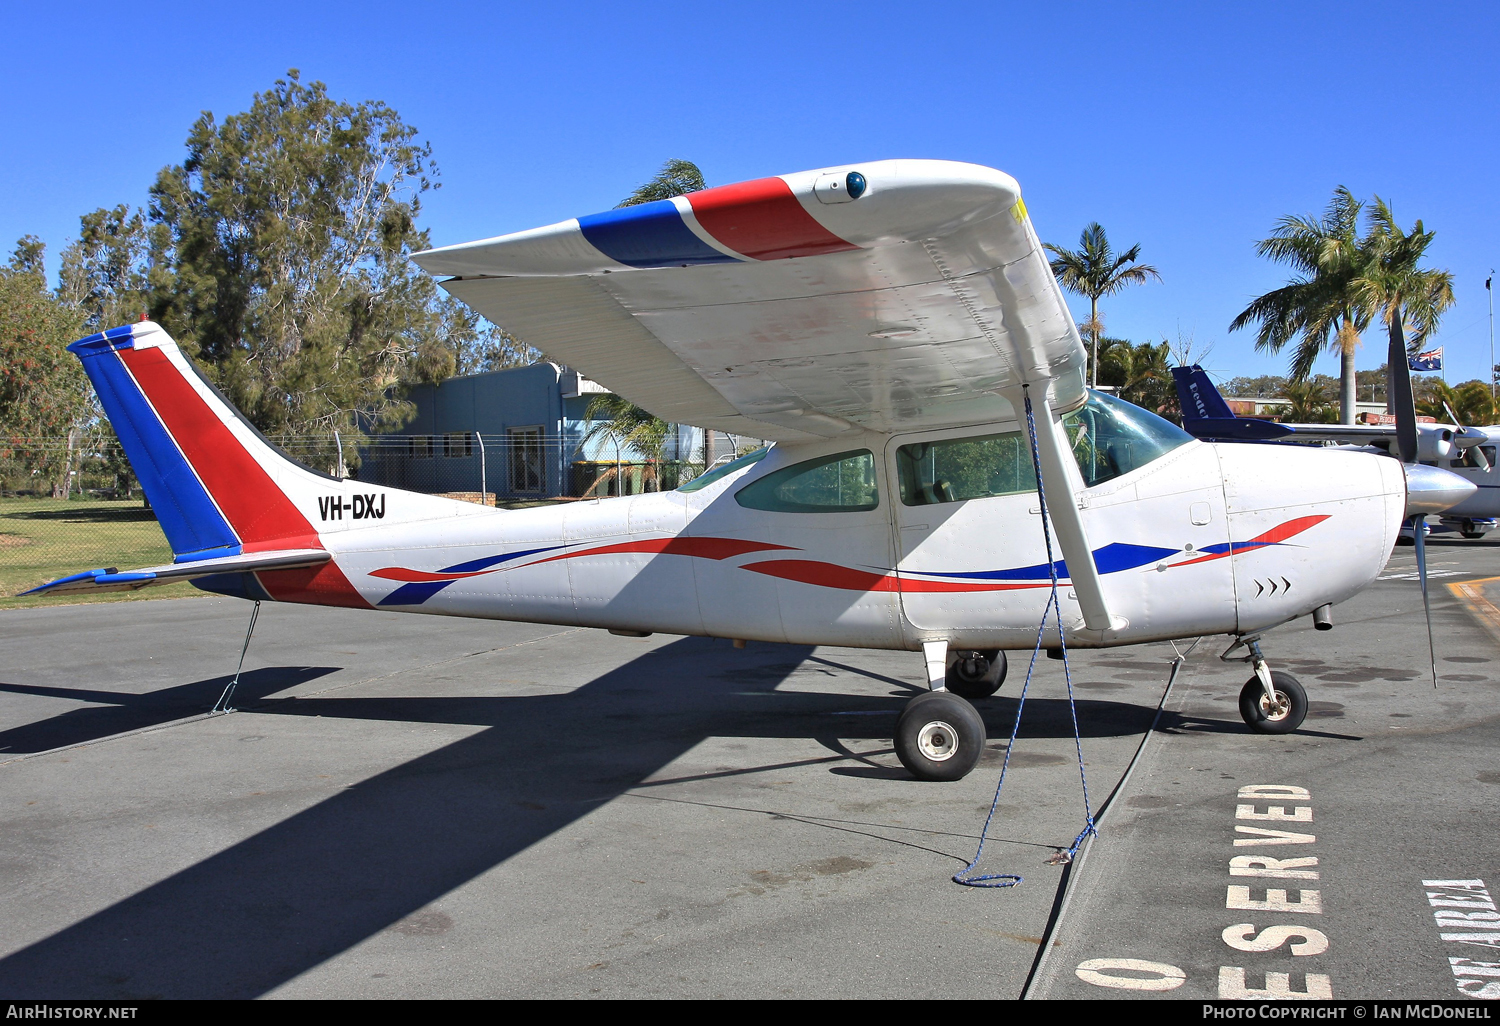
704, 480
1110, 437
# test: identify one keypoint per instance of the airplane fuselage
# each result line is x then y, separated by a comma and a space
1205, 539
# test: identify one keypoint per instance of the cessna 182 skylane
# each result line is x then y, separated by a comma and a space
886, 326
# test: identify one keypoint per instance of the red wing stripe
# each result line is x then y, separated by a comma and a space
763, 220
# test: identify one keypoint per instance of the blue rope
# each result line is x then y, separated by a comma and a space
1054, 606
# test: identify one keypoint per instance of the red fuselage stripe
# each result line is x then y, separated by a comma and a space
830, 575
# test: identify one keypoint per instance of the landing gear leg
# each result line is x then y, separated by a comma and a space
1271, 702
939, 736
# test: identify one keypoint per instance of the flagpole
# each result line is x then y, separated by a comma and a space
1491, 293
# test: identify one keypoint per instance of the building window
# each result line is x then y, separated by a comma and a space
420, 447
458, 444
527, 474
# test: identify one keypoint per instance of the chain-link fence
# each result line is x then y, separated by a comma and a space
72, 503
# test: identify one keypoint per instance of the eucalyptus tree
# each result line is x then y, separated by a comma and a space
1094, 271
43, 393
281, 258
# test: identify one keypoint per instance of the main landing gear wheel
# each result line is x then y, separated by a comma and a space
1285, 716
939, 736
976, 674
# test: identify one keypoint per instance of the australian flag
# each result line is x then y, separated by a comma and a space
1432, 360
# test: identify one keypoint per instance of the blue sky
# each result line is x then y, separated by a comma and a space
1189, 128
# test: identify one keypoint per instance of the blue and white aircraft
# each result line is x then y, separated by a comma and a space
1469, 452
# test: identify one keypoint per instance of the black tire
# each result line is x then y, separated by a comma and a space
976, 674
939, 736
1290, 696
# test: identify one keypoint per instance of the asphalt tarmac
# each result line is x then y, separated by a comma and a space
409, 806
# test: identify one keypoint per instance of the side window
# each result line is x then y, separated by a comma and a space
841, 483
704, 480
965, 468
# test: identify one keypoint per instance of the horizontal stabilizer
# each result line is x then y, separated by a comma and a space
111, 579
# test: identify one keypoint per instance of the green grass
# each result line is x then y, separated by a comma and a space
44, 539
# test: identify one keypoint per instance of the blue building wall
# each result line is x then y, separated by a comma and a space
532, 424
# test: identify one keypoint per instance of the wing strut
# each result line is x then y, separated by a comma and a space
1053, 454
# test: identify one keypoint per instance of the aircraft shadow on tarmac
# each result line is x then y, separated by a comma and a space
117, 712
256, 915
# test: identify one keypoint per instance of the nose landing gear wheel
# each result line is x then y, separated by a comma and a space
977, 674
939, 736
1285, 716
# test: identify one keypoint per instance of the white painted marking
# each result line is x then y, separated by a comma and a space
1264, 836
1310, 902
1280, 869
1278, 987
1296, 794
1300, 814
1311, 942
1097, 972
1447, 897
1470, 978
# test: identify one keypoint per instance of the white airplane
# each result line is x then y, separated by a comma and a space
887, 326
1469, 452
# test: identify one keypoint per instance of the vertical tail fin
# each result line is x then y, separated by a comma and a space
218, 488
1199, 399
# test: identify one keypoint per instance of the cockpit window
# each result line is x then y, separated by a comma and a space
1111, 437
704, 480
843, 482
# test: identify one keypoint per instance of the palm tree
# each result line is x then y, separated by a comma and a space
1320, 301
1470, 402
1307, 402
675, 178
1141, 373
622, 422
1393, 287
1094, 271
1345, 282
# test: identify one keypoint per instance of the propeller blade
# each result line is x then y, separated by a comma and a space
1401, 401
1419, 528
1453, 417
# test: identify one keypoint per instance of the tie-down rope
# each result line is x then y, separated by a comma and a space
1054, 607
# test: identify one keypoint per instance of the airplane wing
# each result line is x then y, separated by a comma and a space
111, 579
891, 295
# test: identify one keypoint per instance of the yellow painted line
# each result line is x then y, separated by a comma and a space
1018, 210
1485, 611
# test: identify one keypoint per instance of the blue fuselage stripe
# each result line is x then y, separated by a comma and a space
648, 235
